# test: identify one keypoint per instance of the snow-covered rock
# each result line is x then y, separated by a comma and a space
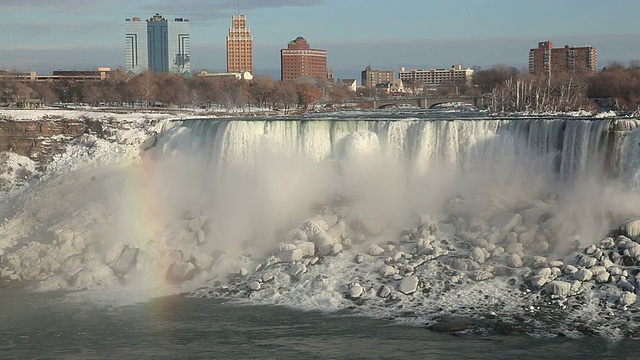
514, 260
505, 223
478, 255
376, 250
290, 255
583, 275
627, 299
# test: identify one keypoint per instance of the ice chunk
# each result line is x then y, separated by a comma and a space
384, 291
355, 290
478, 255
408, 285
255, 285
306, 247
324, 242
179, 272
558, 287
126, 261
388, 270
371, 227
505, 223
631, 228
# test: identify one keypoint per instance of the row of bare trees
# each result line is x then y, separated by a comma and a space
616, 86
531, 93
171, 90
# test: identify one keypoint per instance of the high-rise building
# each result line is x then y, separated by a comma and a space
158, 45
136, 46
371, 77
239, 46
299, 61
547, 60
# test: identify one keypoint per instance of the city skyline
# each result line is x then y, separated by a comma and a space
75, 34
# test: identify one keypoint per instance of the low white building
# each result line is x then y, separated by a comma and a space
350, 84
456, 74
243, 75
394, 86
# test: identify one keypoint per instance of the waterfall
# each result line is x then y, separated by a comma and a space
569, 147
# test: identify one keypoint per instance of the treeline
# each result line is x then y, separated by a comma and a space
508, 90
616, 87
171, 90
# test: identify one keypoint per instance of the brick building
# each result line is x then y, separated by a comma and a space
299, 61
547, 60
371, 77
239, 46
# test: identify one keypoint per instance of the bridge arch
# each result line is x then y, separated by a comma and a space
383, 104
467, 102
428, 102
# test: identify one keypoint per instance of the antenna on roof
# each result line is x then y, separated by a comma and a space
238, 7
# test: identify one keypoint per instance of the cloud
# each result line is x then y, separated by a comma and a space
59, 6
214, 9
200, 10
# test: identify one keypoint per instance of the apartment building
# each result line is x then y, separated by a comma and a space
545, 59
371, 77
456, 74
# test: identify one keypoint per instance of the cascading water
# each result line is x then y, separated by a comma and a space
572, 147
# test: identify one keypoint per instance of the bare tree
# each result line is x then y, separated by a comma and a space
339, 94
260, 88
308, 94
45, 92
171, 89
143, 88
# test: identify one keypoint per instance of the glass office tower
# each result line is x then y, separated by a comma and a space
158, 45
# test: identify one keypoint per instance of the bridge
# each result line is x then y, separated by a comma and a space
428, 102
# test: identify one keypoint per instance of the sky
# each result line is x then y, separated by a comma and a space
46, 35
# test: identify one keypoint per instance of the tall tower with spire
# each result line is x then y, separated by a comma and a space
239, 45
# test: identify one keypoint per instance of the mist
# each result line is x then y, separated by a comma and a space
239, 188
253, 189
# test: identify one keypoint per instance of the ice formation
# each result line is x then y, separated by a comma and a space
529, 221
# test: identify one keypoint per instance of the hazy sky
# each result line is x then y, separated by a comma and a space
45, 35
